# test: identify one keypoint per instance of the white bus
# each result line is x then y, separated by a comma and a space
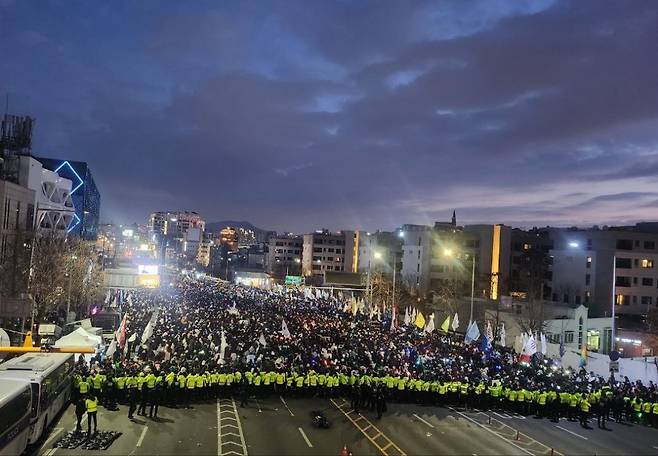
49, 377
15, 411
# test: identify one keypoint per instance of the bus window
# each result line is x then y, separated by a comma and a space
14, 410
35, 402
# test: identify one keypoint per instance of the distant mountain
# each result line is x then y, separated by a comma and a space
216, 226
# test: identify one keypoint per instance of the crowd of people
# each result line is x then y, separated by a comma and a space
202, 340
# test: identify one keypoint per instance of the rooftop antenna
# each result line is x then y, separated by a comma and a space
6, 103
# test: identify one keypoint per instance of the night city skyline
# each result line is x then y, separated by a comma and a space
346, 115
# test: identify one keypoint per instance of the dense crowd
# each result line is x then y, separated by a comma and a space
204, 340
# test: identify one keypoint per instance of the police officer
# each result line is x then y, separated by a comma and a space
131, 387
156, 398
91, 404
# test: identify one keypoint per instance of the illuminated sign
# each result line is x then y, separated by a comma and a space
80, 183
75, 221
128, 233
148, 281
293, 280
147, 269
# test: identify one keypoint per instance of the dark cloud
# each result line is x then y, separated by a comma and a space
297, 115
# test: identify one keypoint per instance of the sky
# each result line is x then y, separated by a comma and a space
298, 115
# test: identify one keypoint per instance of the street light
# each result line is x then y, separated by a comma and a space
451, 254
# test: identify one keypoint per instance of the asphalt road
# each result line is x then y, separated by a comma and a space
277, 426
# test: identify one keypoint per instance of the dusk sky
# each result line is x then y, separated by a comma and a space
297, 115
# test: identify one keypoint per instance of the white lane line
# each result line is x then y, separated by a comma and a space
308, 442
502, 416
219, 430
56, 431
427, 423
490, 431
286, 404
237, 417
141, 437
571, 432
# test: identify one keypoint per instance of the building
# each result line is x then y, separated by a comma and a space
326, 251
84, 193
564, 324
447, 255
174, 224
585, 261
204, 253
380, 251
284, 255
229, 237
52, 208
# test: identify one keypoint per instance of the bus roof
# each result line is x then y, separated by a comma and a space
30, 365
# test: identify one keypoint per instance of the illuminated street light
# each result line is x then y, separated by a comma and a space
378, 255
448, 252
574, 245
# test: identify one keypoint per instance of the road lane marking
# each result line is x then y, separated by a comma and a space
141, 437
219, 430
56, 431
244, 444
286, 404
308, 442
571, 432
427, 423
379, 435
490, 431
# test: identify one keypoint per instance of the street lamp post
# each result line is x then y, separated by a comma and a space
614, 298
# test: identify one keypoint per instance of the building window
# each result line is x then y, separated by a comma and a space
647, 281
649, 245
593, 340
418, 267
565, 298
637, 243
580, 332
624, 263
587, 279
568, 337
587, 296
554, 297
589, 262
317, 249
622, 300
578, 299
634, 280
647, 264
634, 299
624, 244
647, 300
636, 262
623, 281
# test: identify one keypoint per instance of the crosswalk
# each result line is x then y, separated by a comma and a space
385, 445
230, 438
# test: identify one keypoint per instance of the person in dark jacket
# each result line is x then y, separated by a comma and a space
80, 410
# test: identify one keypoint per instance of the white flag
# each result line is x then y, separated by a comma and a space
261, 340
429, 327
393, 319
233, 310
284, 330
107, 296
407, 317
530, 346
455, 322
502, 334
111, 349
148, 332
414, 314
222, 347
489, 332
543, 344
472, 333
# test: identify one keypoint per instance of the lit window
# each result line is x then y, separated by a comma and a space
647, 263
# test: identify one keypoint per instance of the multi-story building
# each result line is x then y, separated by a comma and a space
229, 237
585, 261
84, 193
326, 251
52, 208
380, 251
447, 254
174, 224
204, 252
284, 255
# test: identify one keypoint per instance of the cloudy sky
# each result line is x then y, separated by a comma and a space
303, 114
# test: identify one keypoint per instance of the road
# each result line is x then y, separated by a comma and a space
277, 426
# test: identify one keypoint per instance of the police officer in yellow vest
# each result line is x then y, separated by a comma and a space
91, 404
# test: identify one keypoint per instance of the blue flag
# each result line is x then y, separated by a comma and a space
485, 346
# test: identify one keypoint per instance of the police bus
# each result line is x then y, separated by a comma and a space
15, 411
49, 377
